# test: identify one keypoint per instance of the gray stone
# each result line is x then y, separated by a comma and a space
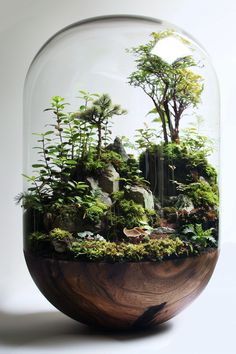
141, 196
184, 203
105, 198
118, 147
61, 246
93, 183
162, 230
109, 182
157, 205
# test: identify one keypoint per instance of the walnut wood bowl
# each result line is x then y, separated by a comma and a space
122, 295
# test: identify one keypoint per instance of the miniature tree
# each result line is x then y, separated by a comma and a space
98, 115
173, 88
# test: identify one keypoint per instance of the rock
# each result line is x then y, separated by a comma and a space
109, 182
184, 203
61, 246
141, 196
89, 236
105, 198
93, 183
118, 147
157, 204
162, 232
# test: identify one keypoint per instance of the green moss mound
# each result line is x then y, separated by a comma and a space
61, 245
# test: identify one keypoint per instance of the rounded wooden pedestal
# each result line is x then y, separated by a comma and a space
122, 295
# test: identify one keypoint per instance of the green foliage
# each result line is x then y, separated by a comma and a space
153, 219
112, 157
181, 163
130, 173
39, 242
145, 137
94, 213
127, 214
124, 213
68, 151
59, 234
198, 236
207, 217
201, 193
154, 250
173, 88
98, 116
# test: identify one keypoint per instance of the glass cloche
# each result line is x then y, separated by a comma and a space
121, 147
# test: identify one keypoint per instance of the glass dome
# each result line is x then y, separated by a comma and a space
121, 148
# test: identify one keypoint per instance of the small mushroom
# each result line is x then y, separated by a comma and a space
135, 232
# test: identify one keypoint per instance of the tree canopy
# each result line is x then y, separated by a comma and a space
172, 87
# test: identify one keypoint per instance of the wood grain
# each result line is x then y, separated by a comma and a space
122, 295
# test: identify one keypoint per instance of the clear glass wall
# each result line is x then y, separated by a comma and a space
121, 138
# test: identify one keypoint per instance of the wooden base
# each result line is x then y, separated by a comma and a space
122, 295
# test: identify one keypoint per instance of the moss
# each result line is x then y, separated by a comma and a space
153, 219
95, 212
124, 213
39, 242
61, 244
154, 250
109, 156
177, 162
202, 194
59, 234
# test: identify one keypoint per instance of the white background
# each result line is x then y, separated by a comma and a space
27, 322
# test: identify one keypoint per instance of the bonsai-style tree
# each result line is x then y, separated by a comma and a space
98, 115
173, 88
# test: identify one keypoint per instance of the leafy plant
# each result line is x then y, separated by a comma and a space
145, 137
198, 236
173, 88
98, 116
201, 193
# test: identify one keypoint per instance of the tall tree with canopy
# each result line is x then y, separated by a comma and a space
172, 87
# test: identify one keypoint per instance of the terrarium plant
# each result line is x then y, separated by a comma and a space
85, 183
92, 199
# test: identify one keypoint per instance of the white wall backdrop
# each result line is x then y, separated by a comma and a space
24, 26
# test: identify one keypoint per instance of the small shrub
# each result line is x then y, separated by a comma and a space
95, 212
198, 236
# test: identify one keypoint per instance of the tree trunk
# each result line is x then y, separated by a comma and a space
99, 145
162, 116
176, 130
171, 129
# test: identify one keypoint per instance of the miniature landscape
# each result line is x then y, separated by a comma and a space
91, 199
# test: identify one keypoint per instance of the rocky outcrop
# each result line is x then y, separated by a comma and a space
141, 196
109, 182
103, 196
118, 147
